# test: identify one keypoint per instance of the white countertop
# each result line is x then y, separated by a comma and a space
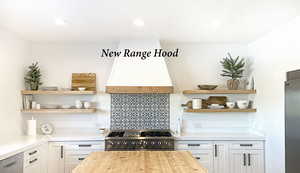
10, 146
221, 136
77, 137
13, 145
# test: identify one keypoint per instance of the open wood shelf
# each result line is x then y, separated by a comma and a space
91, 110
219, 91
219, 110
59, 92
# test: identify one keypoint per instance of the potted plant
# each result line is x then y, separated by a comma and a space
33, 76
233, 68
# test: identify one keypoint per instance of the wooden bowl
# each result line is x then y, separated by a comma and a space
207, 87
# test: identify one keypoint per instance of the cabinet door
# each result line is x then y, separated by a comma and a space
238, 161
56, 158
205, 158
255, 161
221, 158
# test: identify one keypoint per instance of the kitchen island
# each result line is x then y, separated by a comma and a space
140, 162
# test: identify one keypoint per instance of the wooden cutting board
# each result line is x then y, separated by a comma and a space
140, 162
87, 80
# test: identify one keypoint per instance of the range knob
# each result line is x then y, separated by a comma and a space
159, 143
145, 142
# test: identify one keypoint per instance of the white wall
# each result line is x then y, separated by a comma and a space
200, 64
274, 54
197, 64
13, 55
58, 62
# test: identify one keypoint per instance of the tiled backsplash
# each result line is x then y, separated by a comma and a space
140, 111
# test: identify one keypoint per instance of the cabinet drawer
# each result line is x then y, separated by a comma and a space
202, 157
79, 152
205, 158
31, 153
32, 161
242, 145
193, 145
75, 159
85, 146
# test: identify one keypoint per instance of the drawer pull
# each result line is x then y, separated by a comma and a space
249, 159
216, 150
246, 145
87, 145
244, 159
80, 158
61, 152
32, 153
194, 145
32, 161
198, 158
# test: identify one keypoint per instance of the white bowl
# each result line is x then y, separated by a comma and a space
81, 89
230, 105
243, 104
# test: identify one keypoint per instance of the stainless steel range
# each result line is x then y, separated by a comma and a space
127, 140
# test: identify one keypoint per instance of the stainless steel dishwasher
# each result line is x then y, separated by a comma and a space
13, 164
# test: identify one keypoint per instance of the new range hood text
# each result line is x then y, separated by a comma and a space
141, 54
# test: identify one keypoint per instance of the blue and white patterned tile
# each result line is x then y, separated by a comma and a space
140, 111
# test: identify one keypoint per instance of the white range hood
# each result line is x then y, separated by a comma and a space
135, 75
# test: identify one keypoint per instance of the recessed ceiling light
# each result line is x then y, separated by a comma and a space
138, 22
60, 22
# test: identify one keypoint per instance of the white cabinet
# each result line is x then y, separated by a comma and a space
205, 158
201, 150
221, 157
65, 156
56, 157
35, 159
226, 156
75, 152
238, 163
247, 157
255, 161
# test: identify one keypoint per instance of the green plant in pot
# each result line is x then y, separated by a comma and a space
233, 68
33, 76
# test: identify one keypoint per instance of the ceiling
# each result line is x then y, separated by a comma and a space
205, 21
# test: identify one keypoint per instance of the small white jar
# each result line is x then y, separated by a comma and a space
33, 105
78, 104
197, 103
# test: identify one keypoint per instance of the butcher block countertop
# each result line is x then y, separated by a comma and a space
140, 162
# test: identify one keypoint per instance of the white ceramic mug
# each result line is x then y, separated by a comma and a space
87, 105
197, 103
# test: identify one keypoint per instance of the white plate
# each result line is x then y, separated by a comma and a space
47, 128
